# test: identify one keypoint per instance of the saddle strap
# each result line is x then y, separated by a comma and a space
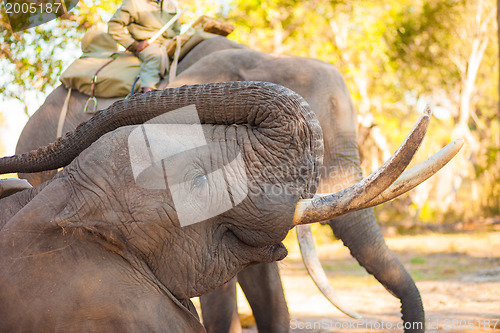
62, 114
173, 68
93, 81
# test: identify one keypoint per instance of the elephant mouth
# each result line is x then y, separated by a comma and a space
275, 252
255, 253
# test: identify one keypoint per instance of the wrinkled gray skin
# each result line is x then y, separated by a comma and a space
325, 90
91, 250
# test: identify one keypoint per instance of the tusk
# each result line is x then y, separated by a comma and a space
313, 265
419, 173
356, 196
416, 175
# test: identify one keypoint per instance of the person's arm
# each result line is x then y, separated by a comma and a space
117, 25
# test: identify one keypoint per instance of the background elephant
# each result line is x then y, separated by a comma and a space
323, 87
101, 248
41, 127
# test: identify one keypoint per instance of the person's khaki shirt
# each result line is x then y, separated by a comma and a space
138, 20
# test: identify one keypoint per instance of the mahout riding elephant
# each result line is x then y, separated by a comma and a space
322, 86
137, 222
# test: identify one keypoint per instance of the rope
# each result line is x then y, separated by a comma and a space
173, 68
93, 83
62, 114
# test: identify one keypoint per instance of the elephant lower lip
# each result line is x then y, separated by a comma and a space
279, 251
263, 254
270, 253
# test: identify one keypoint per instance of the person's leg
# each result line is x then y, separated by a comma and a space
151, 58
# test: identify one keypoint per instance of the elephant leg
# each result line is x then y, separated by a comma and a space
220, 311
262, 286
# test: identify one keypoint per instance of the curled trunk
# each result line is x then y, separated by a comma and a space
272, 110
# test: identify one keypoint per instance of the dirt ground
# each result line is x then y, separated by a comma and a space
458, 276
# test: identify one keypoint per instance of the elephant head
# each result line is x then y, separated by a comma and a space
227, 151
110, 233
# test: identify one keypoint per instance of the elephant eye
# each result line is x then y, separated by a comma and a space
199, 181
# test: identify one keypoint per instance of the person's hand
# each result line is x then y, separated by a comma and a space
137, 47
141, 46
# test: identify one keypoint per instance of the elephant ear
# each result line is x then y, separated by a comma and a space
43, 211
28, 233
31, 233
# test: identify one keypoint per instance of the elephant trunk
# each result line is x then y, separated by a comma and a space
271, 110
361, 234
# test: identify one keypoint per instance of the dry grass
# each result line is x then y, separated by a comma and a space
458, 276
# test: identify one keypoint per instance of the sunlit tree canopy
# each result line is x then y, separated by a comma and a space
396, 56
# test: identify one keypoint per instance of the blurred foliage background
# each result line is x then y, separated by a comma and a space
396, 57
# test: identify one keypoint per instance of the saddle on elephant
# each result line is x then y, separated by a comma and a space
100, 51
103, 71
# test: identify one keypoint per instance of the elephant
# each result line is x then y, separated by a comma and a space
324, 89
97, 249
322, 86
135, 224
